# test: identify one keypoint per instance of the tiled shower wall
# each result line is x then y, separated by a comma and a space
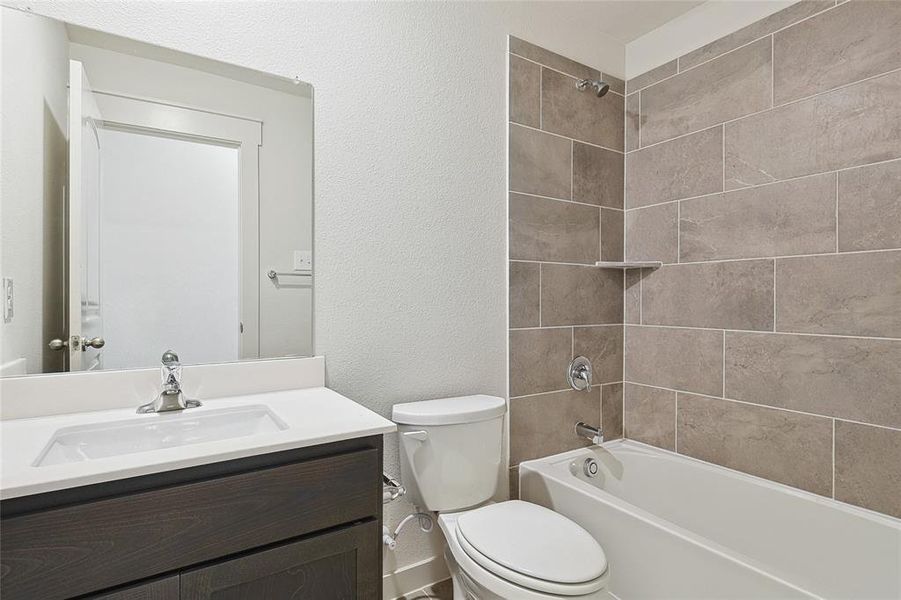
566, 212
764, 170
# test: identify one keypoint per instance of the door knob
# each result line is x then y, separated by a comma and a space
58, 344
97, 342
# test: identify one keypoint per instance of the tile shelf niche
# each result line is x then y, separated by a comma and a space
632, 264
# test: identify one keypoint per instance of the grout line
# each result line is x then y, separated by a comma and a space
678, 231
768, 183
724, 363
572, 169
772, 70
836, 212
575, 325
767, 332
833, 254
564, 200
774, 294
540, 96
724, 158
676, 424
640, 296
833, 458
566, 137
769, 406
638, 147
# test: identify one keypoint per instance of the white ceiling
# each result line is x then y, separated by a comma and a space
626, 20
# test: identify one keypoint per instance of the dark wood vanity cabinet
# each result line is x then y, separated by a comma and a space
300, 524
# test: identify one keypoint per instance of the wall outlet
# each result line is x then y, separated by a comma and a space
303, 260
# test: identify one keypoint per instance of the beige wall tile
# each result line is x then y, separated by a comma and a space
650, 415
611, 234
632, 296
730, 295
513, 474
553, 230
572, 295
682, 359
525, 92
653, 76
551, 59
580, 115
869, 207
782, 446
847, 127
652, 233
540, 163
868, 467
543, 425
681, 168
597, 176
765, 26
612, 411
633, 116
538, 359
603, 346
733, 85
849, 378
524, 294
841, 46
616, 84
850, 294
792, 217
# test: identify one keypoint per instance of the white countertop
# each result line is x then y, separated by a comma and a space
313, 415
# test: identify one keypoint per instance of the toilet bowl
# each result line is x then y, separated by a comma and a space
450, 459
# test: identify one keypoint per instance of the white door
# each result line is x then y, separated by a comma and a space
85, 322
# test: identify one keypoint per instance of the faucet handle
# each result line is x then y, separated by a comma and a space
170, 358
578, 374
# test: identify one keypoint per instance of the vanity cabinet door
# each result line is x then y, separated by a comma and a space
160, 589
340, 565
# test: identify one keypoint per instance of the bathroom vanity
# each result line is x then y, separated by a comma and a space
299, 523
208, 502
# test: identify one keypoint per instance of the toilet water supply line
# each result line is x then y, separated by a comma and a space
392, 490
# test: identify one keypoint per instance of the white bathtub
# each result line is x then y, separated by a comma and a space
675, 527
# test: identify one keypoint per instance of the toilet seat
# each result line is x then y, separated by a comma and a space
533, 547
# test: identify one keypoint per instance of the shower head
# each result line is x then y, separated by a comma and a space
600, 87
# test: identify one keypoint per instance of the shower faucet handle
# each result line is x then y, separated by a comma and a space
579, 374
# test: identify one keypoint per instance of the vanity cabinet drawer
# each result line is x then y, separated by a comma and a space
64, 552
159, 589
339, 565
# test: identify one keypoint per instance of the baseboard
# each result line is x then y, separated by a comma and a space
414, 577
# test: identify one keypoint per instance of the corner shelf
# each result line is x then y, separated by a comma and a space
634, 264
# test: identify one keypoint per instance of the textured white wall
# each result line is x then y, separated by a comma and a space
410, 127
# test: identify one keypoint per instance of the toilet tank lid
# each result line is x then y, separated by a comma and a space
449, 411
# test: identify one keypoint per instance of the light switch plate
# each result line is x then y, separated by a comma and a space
303, 260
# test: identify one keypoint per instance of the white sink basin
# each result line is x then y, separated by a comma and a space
156, 432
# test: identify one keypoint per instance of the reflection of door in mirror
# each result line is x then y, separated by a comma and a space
144, 212
84, 309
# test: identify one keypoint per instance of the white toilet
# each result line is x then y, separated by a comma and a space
450, 459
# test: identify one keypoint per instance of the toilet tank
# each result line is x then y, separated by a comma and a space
450, 450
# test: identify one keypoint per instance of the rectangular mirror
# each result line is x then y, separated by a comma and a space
151, 200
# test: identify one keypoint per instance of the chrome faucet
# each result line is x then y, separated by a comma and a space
171, 398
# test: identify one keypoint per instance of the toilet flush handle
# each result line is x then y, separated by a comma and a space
419, 435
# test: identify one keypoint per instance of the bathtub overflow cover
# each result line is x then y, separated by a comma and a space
590, 467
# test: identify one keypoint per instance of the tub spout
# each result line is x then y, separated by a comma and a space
591, 433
